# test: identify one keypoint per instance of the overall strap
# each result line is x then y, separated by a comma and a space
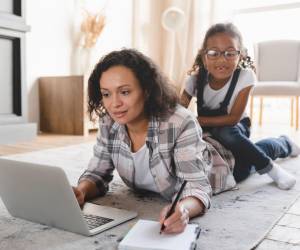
230, 91
201, 83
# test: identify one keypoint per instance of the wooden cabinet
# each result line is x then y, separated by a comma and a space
63, 105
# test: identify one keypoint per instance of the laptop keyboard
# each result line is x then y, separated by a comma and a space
94, 221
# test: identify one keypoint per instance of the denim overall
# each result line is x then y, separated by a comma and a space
222, 110
236, 137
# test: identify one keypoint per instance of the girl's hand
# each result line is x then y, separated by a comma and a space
79, 195
177, 222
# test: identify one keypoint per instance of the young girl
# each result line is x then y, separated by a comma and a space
222, 79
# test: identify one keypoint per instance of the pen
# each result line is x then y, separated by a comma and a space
172, 209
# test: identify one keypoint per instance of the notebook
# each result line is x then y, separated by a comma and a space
42, 194
144, 235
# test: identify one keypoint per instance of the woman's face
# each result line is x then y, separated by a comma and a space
123, 97
221, 66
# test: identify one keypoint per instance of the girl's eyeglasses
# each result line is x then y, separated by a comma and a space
215, 54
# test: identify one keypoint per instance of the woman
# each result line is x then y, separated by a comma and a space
154, 143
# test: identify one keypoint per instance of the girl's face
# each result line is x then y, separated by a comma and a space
221, 56
123, 97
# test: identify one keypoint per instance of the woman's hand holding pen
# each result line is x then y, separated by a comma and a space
177, 222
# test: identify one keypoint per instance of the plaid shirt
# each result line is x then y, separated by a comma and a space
220, 175
176, 151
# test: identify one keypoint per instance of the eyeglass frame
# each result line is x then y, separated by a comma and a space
223, 53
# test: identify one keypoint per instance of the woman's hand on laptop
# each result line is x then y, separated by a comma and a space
85, 190
79, 195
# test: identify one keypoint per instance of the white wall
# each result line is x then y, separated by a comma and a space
51, 43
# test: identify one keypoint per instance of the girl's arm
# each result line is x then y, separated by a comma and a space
185, 99
234, 117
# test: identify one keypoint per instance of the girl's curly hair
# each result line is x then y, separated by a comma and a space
231, 30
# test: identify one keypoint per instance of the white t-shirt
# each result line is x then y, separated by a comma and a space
212, 98
143, 177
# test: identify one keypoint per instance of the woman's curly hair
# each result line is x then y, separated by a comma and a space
161, 96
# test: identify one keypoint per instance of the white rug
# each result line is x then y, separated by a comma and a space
237, 219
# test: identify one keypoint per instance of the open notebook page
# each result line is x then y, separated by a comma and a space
144, 235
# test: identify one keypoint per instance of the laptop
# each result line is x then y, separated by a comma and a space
42, 194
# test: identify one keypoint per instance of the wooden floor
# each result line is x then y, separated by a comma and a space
284, 236
46, 141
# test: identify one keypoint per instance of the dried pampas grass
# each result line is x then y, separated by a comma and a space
92, 26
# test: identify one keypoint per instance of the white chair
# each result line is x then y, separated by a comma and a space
278, 73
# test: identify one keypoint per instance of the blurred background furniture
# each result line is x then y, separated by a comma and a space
63, 105
278, 74
172, 20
